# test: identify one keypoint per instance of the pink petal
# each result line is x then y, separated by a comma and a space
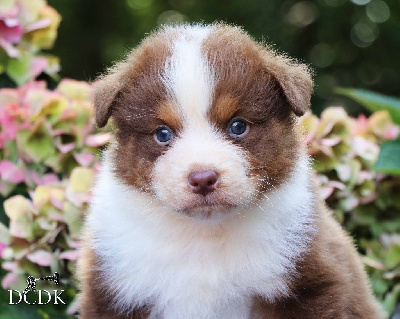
9, 279
56, 216
97, 140
10, 265
361, 125
57, 132
78, 199
2, 247
97, 166
365, 148
72, 243
11, 22
391, 133
11, 173
65, 148
49, 179
326, 150
368, 199
84, 159
37, 66
337, 185
9, 48
73, 308
326, 192
68, 114
9, 127
33, 85
330, 141
45, 180
56, 202
40, 257
43, 23
363, 176
9, 31
69, 254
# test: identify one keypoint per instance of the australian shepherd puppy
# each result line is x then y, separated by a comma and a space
205, 205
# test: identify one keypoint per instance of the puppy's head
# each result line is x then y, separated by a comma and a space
205, 118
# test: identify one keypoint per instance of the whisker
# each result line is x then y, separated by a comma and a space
143, 109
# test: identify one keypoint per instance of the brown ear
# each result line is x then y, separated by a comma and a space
106, 90
294, 78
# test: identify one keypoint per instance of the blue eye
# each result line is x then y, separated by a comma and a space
238, 128
163, 136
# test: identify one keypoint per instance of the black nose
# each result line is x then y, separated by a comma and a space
203, 182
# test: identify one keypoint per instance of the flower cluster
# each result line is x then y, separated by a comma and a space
48, 157
344, 150
27, 26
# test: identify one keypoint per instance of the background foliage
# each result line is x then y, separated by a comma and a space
348, 43
49, 147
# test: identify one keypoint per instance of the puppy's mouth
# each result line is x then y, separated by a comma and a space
207, 195
206, 209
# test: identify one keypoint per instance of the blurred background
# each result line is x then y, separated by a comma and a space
348, 43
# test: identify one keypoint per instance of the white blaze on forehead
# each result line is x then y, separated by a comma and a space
190, 81
188, 76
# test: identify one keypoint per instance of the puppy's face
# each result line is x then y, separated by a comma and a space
204, 117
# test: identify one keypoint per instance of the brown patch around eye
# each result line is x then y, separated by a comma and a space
168, 113
224, 108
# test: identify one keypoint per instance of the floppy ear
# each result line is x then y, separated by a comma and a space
105, 92
107, 88
295, 80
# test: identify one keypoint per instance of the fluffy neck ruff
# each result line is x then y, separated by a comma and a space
182, 267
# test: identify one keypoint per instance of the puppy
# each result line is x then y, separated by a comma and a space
205, 205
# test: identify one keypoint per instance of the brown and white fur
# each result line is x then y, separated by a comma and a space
261, 244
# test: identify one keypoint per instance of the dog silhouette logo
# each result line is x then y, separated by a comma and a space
31, 287
32, 281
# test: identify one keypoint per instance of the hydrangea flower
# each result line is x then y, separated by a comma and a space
27, 26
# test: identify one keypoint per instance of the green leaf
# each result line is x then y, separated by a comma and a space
391, 299
18, 68
12, 151
373, 101
37, 145
389, 158
393, 256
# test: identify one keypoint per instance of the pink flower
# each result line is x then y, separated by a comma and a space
391, 133
40, 257
10, 33
9, 172
13, 118
9, 279
2, 247
8, 129
361, 125
10, 30
38, 66
97, 140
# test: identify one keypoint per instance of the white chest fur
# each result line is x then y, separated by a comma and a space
186, 268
